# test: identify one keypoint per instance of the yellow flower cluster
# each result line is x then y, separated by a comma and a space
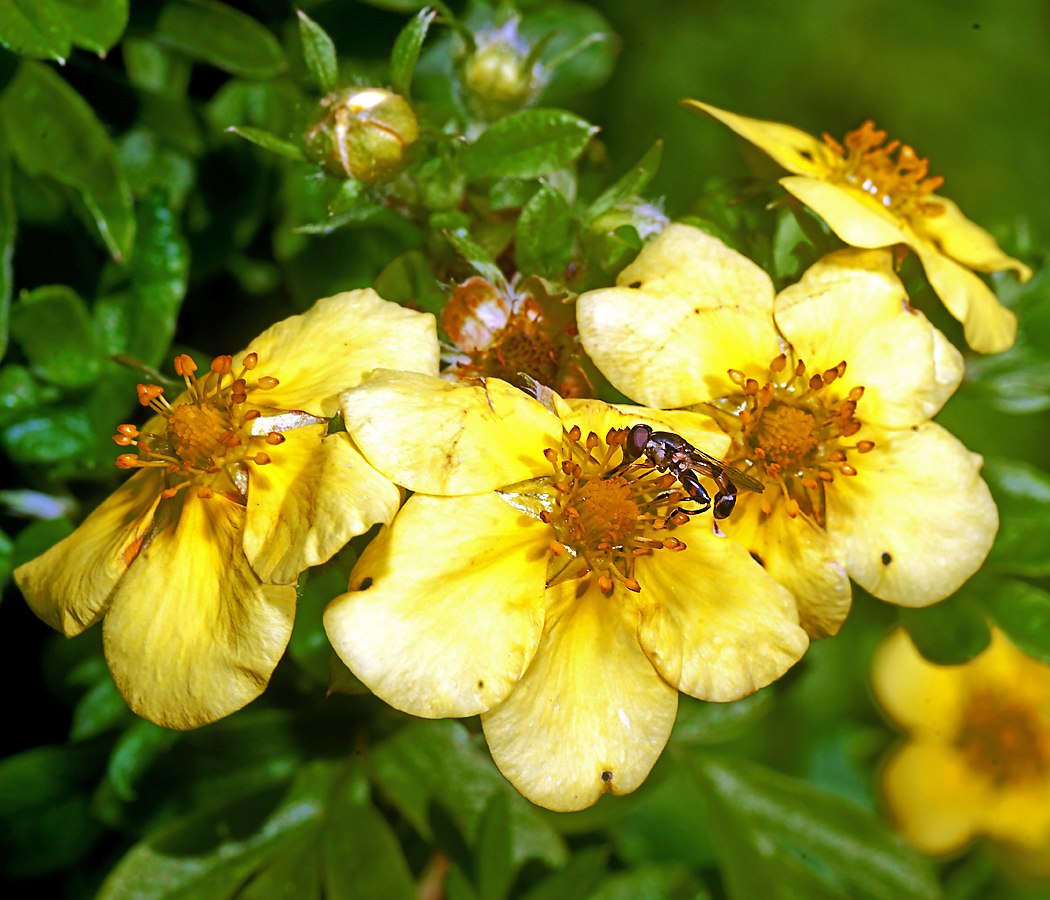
560, 569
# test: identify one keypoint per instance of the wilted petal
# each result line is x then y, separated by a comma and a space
851, 306
69, 586
965, 241
316, 493
591, 715
916, 520
714, 624
192, 633
850, 216
441, 438
989, 326
797, 554
446, 605
686, 311
792, 148
335, 344
937, 802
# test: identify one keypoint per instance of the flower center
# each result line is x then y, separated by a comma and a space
899, 185
1004, 739
203, 441
524, 348
790, 432
605, 514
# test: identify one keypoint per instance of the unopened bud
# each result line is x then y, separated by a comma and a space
362, 133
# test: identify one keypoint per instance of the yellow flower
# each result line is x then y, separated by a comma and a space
869, 199
826, 391
535, 581
976, 760
193, 561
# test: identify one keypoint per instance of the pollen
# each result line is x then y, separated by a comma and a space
607, 512
899, 184
206, 432
1004, 739
792, 429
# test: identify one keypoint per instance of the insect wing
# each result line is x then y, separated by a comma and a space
709, 466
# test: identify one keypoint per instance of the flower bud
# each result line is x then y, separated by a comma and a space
362, 133
502, 73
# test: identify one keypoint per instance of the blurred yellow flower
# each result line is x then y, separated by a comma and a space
871, 199
193, 561
976, 759
533, 580
826, 391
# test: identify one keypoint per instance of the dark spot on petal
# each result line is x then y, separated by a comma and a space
757, 558
886, 559
607, 776
635, 285
805, 154
365, 584
481, 684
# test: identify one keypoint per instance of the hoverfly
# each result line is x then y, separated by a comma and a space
668, 452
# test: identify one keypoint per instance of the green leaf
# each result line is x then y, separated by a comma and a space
543, 239
135, 752
269, 142
1015, 381
671, 881
220, 36
319, 54
8, 225
630, 184
20, 393
52, 131
293, 872
95, 25
37, 537
528, 144
778, 837
212, 852
495, 867
437, 762
53, 435
44, 810
474, 254
1022, 493
54, 328
1022, 611
309, 645
99, 710
949, 632
363, 859
406, 51
699, 722
156, 69
35, 28
576, 880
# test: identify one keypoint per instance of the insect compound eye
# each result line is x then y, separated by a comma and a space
637, 438
724, 504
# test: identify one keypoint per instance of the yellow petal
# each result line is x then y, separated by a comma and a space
591, 715
192, 634
315, 494
852, 216
924, 698
798, 555
851, 306
453, 609
69, 586
437, 437
936, 801
699, 309
1021, 813
335, 344
917, 520
714, 624
966, 242
989, 326
795, 150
